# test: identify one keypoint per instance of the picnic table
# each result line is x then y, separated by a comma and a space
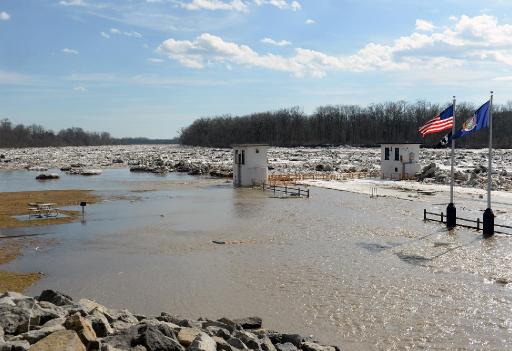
42, 210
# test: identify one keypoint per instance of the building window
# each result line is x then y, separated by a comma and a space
237, 161
396, 169
257, 151
397, 154
243, 157
386, 153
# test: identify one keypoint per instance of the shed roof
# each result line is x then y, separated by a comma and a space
249, 145
391, 143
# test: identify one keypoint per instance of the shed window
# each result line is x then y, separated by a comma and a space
237, 156
243, 157
257, 151
397, 154
386, 153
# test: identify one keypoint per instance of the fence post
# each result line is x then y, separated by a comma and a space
442, 217
299, 192
478, 224
425, 214
286, 189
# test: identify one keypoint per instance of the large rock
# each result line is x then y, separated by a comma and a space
22, 345
249, 322
100, 324
82, 327
13, 319
62, 340
152, 338
202, 342
311, 346
34, 336
55, 297
187, 335
288, 346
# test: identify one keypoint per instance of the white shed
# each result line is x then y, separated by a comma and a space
399, 161
250, 164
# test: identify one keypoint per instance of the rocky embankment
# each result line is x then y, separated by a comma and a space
53, 321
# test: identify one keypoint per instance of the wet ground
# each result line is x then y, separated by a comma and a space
364, 273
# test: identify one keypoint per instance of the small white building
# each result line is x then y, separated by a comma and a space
250, 164
399, 161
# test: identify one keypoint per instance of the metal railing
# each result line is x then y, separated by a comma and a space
477, 224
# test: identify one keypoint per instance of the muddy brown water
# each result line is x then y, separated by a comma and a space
366, 274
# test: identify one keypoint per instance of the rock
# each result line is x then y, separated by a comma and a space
47, 176
249, 322
153, 339
82, 327
14, 319
217, 331
22, 345
311, 346
34, 336
428, 172
222, 345
55, 297
90, 305
187, 335
250, 340
202, 342
266, 344
99, 323
62, 340
237, 343
288, 346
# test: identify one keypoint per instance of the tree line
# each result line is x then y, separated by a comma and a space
37, 136
371, 125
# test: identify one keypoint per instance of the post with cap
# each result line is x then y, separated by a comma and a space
451, 211
488, 223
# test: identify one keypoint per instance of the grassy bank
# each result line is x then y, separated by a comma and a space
16, 204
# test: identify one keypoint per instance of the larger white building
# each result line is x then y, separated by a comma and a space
250, 164
399, 161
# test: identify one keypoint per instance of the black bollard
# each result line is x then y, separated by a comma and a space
451, 216
488, 224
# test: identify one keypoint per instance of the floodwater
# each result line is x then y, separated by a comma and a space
363, 273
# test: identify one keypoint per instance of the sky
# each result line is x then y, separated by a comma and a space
150, 67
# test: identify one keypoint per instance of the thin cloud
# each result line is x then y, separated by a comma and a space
72, 3
280, 4
80, 89
105, 35
70, 51
276, 43
424, 26
310, 21
213, 5
116, 31
155, 60
4, 16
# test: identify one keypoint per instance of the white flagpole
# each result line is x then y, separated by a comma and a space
453, 153
489, 169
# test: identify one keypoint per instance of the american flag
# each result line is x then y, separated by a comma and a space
440, 123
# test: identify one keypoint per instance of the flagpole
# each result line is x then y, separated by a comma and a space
451, 211
488, 225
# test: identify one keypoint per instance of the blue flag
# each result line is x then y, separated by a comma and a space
476, 122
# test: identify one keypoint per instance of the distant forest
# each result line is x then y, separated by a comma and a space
37, 136
343, 125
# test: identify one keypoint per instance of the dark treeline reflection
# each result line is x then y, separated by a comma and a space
37, 136
343, 125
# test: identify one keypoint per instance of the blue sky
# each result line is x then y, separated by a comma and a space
150, 67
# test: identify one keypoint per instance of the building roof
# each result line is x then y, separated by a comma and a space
407, 143
249, 145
